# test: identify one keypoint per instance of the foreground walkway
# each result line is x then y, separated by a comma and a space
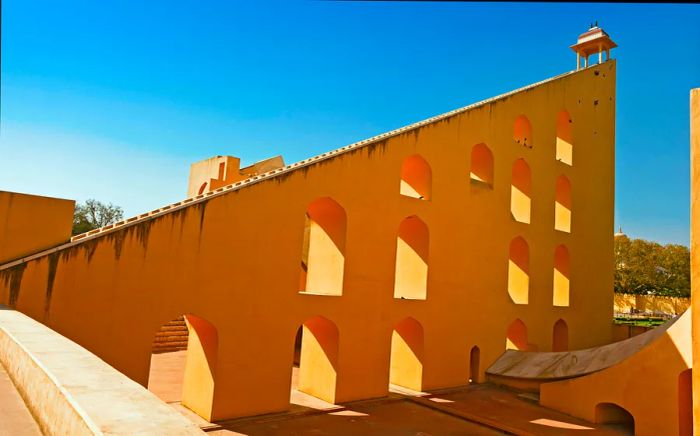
482, 409
473, 410
15, 419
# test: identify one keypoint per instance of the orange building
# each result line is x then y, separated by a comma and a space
415, 257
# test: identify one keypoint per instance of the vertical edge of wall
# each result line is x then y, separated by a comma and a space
695, 243
51, 408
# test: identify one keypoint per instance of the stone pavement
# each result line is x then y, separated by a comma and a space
482, 409
15, 419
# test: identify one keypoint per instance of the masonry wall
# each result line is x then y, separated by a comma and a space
695, 242
234, 259
626, 303
31, 223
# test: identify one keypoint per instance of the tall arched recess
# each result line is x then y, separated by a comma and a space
562, 205
565, 138
416, 178
323, 253
406, 368
318, 362
519, 270
481, 165
561, 281
520, 191
412, 246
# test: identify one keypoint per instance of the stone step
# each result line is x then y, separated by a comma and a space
168, 339
173, 344
172, 336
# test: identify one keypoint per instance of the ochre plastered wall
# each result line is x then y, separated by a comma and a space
234, 259
31, 223
647, 385
624, 303
695, 242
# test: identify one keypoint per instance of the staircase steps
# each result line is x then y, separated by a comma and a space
172, 336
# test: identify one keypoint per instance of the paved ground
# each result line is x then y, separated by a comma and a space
15, 419
397, 417
472, 410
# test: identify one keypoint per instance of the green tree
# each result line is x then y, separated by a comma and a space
94, 214
645, 267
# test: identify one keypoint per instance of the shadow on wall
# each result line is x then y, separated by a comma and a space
195, 387
412, 246
416, 178
610, 413
323, 252
519, 271
318, 358
482, 165
406, 368
516, 337
521, 192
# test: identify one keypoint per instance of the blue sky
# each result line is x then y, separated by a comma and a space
114, 99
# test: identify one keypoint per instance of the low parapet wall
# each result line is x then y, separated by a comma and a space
71, 391
626, 303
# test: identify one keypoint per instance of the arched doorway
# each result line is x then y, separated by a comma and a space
406, 367
315, 365
183, 363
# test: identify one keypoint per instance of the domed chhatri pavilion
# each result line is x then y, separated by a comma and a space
451, 276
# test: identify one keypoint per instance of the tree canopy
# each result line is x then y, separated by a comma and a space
94, 214
646, 267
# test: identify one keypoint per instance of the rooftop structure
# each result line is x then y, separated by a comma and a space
594, 40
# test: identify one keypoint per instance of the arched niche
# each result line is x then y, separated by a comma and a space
406, 368
560, 336
561, 280
412, 250
318, 358
416, 178
562, 205
519, 271
481, 165
323, 252
565, 138
521, 191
